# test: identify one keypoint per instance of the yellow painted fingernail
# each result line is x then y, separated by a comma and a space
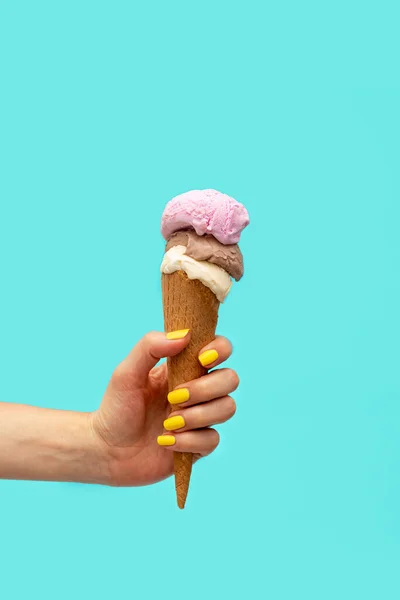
177, 335
208, 357
178, 396
166, 440
174, 423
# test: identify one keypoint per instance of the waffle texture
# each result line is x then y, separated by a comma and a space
188, 304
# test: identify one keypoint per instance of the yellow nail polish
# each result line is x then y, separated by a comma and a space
208, 357
178, 396
177, 335
174, 423
166, 440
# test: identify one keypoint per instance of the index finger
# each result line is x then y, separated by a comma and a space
216, 352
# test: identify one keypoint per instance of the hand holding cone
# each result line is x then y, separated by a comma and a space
201, 228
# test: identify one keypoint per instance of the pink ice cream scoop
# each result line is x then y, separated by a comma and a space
205, 211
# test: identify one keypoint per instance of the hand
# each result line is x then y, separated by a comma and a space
129, 422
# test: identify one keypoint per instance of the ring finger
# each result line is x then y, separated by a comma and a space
201, 415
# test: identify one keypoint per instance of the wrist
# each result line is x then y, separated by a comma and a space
99, 457
72, 452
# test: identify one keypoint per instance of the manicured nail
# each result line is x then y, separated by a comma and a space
208, 357
166, 440
174, 423
177, 335
178, 396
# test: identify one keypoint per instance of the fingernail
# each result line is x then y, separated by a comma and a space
166, 440
177, 335
208, 357
178, 396
174, 423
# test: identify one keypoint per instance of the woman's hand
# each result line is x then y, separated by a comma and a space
133, 427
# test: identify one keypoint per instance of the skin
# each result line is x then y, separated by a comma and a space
117, 444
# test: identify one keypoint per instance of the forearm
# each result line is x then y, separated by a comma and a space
49, 445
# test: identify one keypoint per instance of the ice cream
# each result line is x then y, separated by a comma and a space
210, 275
205, 211
202, 229
206, 247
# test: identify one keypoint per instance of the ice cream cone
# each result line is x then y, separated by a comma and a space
188, 304
202, 229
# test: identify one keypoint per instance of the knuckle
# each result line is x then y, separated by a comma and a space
215, 438
158, 376
119, 374
233, 379
230, 407
149, 338
121, 379
227, 346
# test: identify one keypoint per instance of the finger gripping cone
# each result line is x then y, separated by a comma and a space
188, 304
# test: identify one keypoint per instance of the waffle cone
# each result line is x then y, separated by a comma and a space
188, 304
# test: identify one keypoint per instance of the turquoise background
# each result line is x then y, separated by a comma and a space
107, 110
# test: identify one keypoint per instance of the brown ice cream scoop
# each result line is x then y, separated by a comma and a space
207, 247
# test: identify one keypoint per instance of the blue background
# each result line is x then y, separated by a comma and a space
108, 109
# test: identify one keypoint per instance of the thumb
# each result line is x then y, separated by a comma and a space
148, 351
